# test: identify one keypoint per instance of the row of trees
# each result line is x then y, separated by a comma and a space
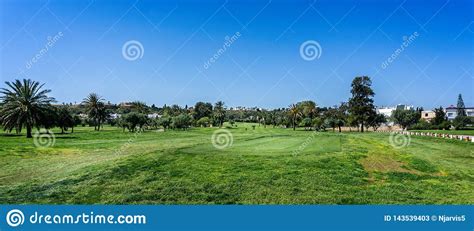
25, 104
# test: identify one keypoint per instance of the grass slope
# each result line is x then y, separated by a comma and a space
263, 166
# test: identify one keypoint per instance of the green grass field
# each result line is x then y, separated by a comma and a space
263, 166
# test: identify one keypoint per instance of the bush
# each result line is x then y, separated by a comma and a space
446, 125
422, 125
203, 122
461, 122
182, 121
306, 123
318, 124
133, 120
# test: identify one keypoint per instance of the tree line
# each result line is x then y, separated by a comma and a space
25, 104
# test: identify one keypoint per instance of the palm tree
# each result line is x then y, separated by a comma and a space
295, 113
23, 104
95, 108
219, 113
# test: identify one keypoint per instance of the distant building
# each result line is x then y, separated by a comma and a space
452, 112
114, 116
153, 116
388, 111
428, 115
83, 116
125, 105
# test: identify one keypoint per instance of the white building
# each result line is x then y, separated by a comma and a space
114, 116
388, 111
153, 116
452, 112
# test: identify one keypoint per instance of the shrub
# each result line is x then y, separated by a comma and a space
183, 121
422, 125
203, 122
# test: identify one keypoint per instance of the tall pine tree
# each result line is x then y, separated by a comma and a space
361, 104
461, 107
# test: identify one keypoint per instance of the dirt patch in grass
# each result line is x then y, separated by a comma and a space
384, 164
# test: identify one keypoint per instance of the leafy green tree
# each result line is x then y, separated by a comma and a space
140, 107
440, 116
65, 119
330, 118
306, 123
219, 113
49, 118
317, 123
134, 120
182, 121
336, 116
406, 118
203, 122
361, 104
201, 110
77, 121
461, 122
165, 121
23, 104
176, 110
376, 121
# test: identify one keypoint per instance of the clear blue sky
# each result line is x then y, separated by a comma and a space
263, 67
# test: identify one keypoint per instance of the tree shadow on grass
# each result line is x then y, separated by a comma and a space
66, 137
11, 135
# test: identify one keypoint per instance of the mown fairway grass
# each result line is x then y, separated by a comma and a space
263, 166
